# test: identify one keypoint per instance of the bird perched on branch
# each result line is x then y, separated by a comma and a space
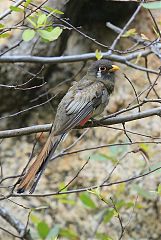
85, 99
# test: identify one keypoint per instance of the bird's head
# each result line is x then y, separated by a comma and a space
103, 70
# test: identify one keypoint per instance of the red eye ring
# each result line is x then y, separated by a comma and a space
102, 69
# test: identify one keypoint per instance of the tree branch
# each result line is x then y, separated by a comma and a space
8, 11
86, 188
79, 57
106, 122
20, 228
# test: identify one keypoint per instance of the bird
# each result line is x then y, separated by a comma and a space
84, 100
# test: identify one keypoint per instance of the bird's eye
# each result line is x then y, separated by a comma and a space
102, 69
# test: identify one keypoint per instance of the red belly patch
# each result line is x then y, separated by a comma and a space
85, 120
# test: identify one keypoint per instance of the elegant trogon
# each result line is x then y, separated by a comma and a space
85, 99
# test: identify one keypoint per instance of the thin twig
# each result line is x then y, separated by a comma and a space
125, 132
148, 77
119, 218
155, 23
7, 12
124, 28
136, 95
10, 233
154, 83
86, 188
15, 223
77, 174
27, 109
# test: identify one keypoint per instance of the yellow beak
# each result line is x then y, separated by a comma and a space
114, 68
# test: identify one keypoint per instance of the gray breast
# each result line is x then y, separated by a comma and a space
104, 102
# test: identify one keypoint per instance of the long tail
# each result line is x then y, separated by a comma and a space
31, 178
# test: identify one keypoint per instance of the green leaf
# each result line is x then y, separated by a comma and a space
52, 35
4, 35
144, 146
139, 206
62, 187
152, 5
120, 189
68, 201
109, 215
123, 203
53, 233
69, 233
2, 26
96, 192
159, 189
130, 32
57, 11
41, 19
86, 200
28, 34
43, 229
34, 219
103, 236
129, 205
27, 3
31, 20
98, 54
53, 10
120, 204
16, 9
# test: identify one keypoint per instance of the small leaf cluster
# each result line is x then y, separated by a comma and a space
42, 25
44, 232
38, 24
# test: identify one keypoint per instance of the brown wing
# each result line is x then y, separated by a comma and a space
76, 105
